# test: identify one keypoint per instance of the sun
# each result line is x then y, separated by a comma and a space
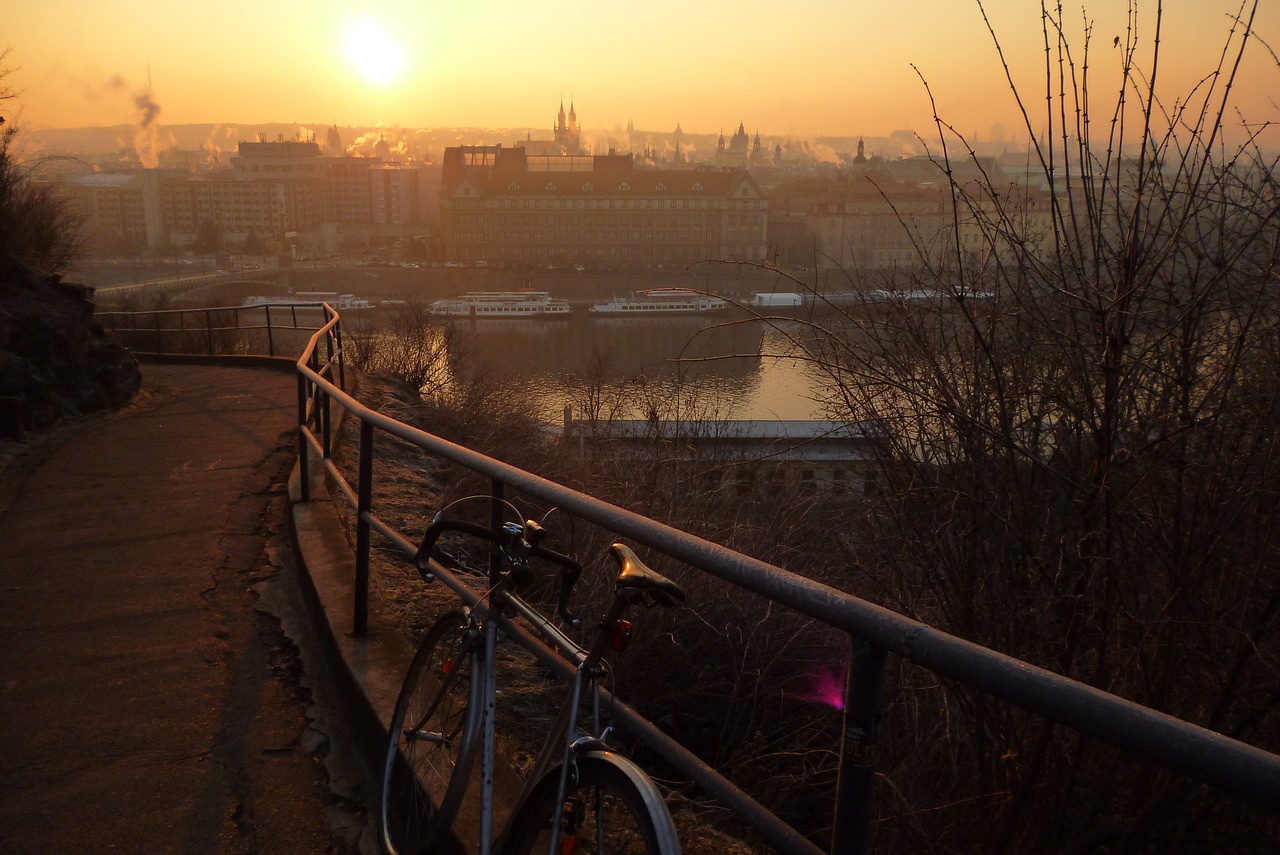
372, 52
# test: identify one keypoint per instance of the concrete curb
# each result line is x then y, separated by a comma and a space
368, 669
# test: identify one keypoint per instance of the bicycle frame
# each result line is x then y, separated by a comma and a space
561, 742
586, 666
586, 671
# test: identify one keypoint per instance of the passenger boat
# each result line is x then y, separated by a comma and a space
661, 301
501, 304
341, 302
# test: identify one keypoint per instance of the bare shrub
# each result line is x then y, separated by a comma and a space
37, 224
408, 347
1082, 404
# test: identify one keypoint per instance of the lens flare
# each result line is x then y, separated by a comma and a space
824, 684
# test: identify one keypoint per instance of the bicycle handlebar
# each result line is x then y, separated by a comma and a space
524, 538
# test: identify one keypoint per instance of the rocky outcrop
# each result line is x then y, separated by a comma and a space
55, 359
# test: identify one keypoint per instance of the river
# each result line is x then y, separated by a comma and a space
722, 367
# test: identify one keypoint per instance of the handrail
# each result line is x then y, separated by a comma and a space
1227, 764
167, 323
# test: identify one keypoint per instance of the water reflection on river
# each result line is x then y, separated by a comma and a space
731, 368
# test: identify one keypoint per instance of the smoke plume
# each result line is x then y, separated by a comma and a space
144, 139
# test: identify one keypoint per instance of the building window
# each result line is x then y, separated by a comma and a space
550, 186
697, 187
660, 186
587, 187
513, 186
624, 186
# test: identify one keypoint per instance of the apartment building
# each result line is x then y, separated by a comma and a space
112, 206
270, 188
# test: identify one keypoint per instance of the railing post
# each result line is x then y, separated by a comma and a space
342, 359
271, 344
156, 315
304, 447
208, 328
318, 408
328, 342
497, 515
326, 411
855, 788
364, 509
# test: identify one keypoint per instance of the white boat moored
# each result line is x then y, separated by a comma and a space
501, 304
655, 301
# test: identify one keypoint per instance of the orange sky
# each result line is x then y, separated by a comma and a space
801, 68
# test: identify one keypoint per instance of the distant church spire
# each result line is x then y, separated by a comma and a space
333, 141
568, 134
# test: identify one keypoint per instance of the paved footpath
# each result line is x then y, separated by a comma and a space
148, 701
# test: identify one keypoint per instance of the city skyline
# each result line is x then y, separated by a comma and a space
826, 69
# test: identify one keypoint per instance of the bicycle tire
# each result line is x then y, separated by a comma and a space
611, 795
427, 763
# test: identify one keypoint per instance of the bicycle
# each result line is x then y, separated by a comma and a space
578, 792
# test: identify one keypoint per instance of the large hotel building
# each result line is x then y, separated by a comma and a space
505, 206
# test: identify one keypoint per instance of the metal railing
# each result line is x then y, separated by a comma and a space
234, 329
873, 632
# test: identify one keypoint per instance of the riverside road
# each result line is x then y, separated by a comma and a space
154, 689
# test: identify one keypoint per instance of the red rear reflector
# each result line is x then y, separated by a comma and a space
621, 635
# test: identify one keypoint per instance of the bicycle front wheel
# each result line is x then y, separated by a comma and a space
432, 738
613, 807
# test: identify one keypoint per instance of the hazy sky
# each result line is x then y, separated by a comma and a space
798, 67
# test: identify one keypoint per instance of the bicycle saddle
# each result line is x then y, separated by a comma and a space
637, 578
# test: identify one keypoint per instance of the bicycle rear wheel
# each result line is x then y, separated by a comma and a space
613, 807
432, 738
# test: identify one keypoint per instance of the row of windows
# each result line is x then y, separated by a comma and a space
524, 252
508, 203
595, 237
563, 228
282, 168
587, 187
570, 221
